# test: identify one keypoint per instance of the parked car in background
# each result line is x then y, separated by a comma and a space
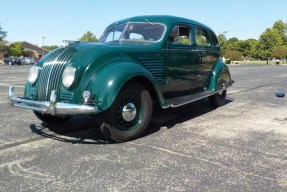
37, 59
139, 63
12, 61
28, 61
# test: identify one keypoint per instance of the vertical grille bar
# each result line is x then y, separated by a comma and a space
43, 81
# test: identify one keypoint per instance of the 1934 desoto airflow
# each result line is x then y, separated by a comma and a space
139, 61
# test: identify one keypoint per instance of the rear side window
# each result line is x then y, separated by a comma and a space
201, 37
214, 40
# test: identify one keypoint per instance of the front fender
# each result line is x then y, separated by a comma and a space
220, 77
108, 82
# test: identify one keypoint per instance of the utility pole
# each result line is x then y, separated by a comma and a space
43, 45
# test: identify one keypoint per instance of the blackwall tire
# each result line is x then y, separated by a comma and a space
217, 99
130, 114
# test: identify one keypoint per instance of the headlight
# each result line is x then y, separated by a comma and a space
33, 74
68, 76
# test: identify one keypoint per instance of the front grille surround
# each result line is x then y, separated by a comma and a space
51, 73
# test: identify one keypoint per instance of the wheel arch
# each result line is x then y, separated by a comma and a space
109, 81
154, 93
220, 77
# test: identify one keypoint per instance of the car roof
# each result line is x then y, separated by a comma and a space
166, 19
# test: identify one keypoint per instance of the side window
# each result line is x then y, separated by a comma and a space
115, 35
214, 40
181, 35
201, 37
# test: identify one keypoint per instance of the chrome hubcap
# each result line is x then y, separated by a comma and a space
129, 112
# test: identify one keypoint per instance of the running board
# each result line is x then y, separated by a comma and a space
180, 101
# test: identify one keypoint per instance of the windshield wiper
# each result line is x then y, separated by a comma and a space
149, 22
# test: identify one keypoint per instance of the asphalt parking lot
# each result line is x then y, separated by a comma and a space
241, 146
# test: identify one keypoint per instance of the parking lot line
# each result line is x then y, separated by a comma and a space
13, 70
5, 85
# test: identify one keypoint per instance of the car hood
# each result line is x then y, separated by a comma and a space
82, 55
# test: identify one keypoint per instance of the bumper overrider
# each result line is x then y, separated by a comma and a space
51, 107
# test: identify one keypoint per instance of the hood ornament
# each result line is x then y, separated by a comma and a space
67, 43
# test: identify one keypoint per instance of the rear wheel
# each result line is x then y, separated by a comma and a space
217, 99
50, 119
130, 114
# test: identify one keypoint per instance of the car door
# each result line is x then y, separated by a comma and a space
180, 65
206, 58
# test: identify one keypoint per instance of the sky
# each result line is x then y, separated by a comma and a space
58, 20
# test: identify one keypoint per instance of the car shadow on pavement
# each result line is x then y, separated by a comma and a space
169, 118
86, 129
78, 130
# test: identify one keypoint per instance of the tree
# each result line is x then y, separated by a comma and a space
89, 36
3, 43
223, 43
51, 47
233, 55
2, 34
16, 49
247, 47
232, 43
280, 52
281, 28
268, 41
279, 25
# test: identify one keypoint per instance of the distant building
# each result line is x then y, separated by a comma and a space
30, 50
2, 54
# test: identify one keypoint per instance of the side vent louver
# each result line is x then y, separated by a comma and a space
155, 67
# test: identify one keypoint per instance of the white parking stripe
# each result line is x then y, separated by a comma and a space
14, 71
5, 85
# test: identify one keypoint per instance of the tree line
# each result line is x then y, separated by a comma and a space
272, 43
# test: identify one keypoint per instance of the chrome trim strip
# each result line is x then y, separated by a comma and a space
193, 100
50, 107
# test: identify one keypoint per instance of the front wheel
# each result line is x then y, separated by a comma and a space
50, 119
217, 99
130, 114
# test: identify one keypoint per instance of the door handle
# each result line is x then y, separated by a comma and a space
194, 50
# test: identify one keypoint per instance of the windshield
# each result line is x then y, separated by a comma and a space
134, 32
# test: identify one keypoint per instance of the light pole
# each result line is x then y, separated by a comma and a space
43, 45
223, 33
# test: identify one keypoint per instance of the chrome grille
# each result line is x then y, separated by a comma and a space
51, 72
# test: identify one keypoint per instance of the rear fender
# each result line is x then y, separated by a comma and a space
220, 77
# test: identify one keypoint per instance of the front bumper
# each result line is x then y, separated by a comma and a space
50, 107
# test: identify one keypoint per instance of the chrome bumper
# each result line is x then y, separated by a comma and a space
50, 107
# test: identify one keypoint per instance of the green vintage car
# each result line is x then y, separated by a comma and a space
139, 62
